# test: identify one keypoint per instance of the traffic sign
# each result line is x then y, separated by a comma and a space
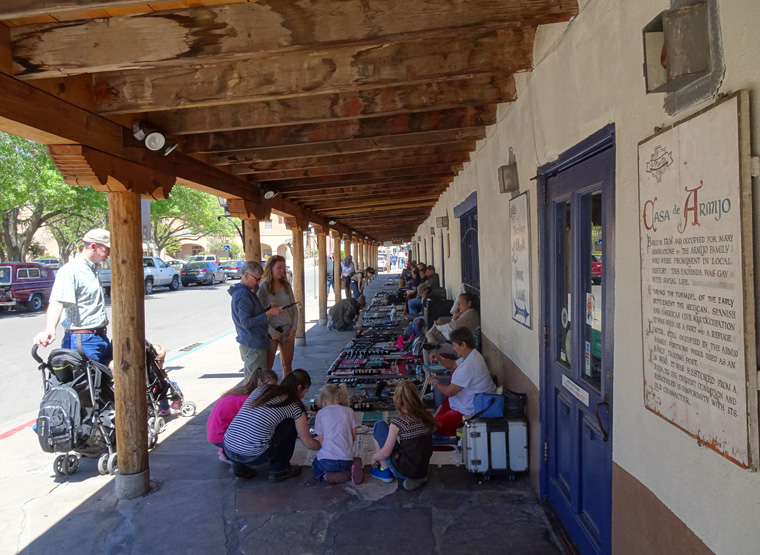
227, 248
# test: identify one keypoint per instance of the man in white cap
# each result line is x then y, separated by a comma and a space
78, 292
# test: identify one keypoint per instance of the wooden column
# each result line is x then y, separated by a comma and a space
252, 233
360, 255
321, 273
128, 311
336, 264
251, 214
347, 243
298, 227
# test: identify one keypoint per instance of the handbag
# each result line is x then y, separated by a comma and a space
488, 405
515, 405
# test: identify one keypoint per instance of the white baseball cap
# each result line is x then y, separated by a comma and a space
100, 236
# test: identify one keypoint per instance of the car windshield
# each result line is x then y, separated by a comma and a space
195, 265
5, 275
226, 264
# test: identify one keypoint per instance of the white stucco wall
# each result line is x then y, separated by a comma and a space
586, 75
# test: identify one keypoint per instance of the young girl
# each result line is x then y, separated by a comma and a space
409, 457
336, 429
229, 405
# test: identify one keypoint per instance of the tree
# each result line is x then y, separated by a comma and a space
33, 194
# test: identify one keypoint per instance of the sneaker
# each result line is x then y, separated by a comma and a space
330, 326
222, 457
383, 475
245, 472
337, 477
280, 476
164, 412
176, 405
357, 471
414, 483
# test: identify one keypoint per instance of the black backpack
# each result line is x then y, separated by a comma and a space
59, 422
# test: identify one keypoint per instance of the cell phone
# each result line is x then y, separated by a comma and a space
288, 305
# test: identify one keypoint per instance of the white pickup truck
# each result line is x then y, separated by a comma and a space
156, 272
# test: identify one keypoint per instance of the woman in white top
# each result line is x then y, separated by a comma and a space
347, 269
275, 288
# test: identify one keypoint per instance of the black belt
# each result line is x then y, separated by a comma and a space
96, 331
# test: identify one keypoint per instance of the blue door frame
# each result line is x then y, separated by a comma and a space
576, 393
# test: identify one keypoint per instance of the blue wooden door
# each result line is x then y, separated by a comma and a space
468, 223
578, 218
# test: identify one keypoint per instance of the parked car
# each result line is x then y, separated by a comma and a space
596, 269
155, 272
176, 264
49, 262
202, 272
232, 268
203, 258
25, 284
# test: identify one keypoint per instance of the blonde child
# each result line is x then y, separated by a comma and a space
227, 407
404, 448
336, 430
164, 409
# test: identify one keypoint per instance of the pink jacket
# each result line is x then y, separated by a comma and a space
225, 409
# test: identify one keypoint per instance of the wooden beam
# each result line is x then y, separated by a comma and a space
382, 126
410, 140
362, 191
464, 147
16, 9
412, 199
390, 181
209, 34
341, 69
400, 205
415, 172
402, 99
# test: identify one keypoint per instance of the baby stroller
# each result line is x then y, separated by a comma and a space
77, 411
161, 388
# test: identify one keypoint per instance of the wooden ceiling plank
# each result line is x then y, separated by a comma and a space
376, 209
354, 190
381, 126
463, 147
209, 34
341, 69
18, 9
338, 180
382, 202
429, 179
409, 140
402, 99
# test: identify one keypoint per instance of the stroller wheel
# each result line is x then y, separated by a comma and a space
103, 463
111, 465
152, 439
161, 425
72, 464
188, 408
59, 465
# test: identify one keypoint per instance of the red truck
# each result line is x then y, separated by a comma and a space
25, 284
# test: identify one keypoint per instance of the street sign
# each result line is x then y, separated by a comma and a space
227, 248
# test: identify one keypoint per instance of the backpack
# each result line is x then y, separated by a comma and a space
59, 422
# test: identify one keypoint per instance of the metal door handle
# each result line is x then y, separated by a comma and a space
605, 433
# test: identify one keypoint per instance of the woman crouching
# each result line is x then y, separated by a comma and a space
266, 427
407, 444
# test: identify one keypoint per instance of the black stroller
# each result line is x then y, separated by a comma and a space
77, 411
161, 388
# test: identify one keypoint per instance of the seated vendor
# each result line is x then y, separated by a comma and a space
470, 377
423, 289
466, 315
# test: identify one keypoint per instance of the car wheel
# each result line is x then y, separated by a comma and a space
35, 302
174, 285
184, 284
224, 278
148, 286
213, 279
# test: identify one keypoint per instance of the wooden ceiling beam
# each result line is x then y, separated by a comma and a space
400, 174
401, 99
410, 140
377, 202
422, 180
381, 126
208, 34
463, 147
17, 9
339, 69
385, 208
363, 190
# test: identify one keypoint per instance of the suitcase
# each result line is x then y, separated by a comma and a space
495, 446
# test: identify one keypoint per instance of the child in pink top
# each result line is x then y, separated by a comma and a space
227, 407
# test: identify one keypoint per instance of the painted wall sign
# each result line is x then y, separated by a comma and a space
697, 287
520, 256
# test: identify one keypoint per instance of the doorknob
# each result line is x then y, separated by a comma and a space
605, 433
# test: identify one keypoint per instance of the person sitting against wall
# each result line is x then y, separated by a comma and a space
409, 284
470, 377
359, 279
343, 314
423, 290
466, 315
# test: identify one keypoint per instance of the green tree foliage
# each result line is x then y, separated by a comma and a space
33, 195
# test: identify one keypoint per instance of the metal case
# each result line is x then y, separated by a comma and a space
495, 446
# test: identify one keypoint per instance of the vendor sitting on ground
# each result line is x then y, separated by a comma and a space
470, 377
466, 315
343, 314
423, 290
359, 279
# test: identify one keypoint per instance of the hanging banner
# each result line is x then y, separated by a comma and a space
520, 256
695, 213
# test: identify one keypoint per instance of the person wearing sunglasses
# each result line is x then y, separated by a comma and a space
251, 318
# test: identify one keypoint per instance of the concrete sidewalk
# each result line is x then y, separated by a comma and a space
197, 505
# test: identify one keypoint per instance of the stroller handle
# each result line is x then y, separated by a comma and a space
35, 356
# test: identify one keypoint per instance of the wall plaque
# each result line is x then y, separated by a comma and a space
520, 258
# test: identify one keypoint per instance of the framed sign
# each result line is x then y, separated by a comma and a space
697, 279
520, 258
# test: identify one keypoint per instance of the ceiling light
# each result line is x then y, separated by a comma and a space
353, 232
155, 140
268, 192
169, 146
332, 222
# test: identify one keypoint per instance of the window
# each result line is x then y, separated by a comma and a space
266, 252
268, 224
28, 273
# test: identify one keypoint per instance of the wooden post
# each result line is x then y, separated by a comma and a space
298, 280
321, 273
347, 243
336, 264
128, 310
252, 246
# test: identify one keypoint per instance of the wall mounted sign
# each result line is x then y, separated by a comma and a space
520, 257
695, 221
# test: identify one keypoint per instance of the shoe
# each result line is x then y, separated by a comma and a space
176, 405
280, 476
330, 326
337, 477
222, 458
383, 475
357, 471
164, 412
414, 483
245, 472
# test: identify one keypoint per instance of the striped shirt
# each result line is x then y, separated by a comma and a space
252, 429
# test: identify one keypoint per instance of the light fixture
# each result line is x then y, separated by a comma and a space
366, 236
154, 139
332, 222
268, 191
353, 232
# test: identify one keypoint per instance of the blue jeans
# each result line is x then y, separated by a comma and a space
329, 465
279, 452
355, 289
415, 305
380, 433
330, 285
96, 347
